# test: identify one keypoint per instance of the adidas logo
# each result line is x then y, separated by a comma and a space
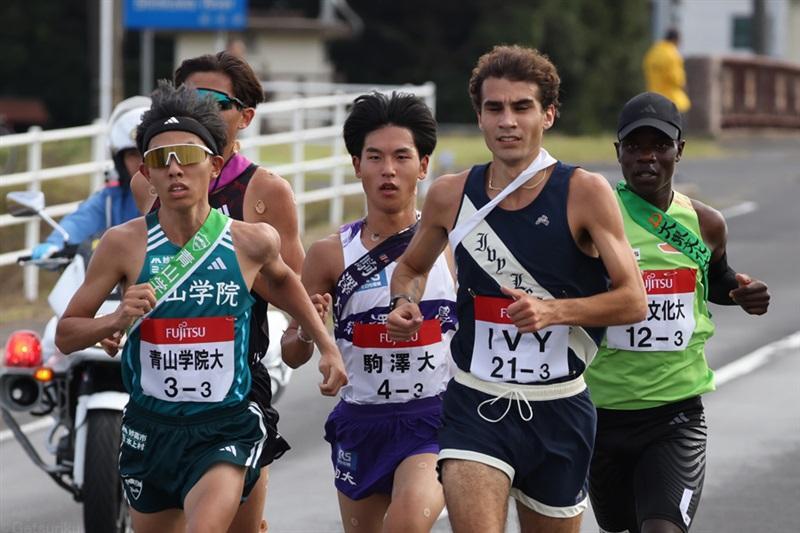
172, 120
230, 449
542, 220
217, 264
679, 419
650, 109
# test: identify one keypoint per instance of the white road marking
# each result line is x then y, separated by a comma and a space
753, 360
739, 209
30, 427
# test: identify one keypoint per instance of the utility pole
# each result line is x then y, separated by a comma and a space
759, 28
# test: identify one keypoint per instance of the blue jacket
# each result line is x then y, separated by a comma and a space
108, 207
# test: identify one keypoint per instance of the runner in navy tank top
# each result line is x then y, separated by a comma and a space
383, 432
190, 438
536, 243
244, 191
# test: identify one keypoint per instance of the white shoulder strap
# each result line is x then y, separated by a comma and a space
543, 160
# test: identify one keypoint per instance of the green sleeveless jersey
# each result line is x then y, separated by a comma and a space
190, 354
662, 359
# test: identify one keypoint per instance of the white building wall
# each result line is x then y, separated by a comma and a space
291, 56
706, 26
272, 55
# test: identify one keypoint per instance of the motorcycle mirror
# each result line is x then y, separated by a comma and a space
25, 203
29, 203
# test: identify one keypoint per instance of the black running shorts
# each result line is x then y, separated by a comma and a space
261, 394
648, 464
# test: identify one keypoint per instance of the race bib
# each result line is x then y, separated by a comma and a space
386, 371
670, 314
502, 353
187, 359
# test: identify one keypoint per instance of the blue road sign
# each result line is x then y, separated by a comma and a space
185, 14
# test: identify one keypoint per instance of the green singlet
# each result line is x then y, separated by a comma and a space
662, 359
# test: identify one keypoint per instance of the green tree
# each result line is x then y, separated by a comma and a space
597, 47
44, 48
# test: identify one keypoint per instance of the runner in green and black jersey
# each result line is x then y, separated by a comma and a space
648, 466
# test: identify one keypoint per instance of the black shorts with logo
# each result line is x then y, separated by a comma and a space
648, 464
261, 394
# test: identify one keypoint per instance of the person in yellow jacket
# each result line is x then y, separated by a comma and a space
663, 70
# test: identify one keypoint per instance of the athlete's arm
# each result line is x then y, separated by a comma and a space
277, 208
287, 292
140, 188
110, 265
725, 285
269, 198
411, 273
596, 223
324, 264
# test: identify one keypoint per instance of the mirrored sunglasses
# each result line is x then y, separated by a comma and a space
184, 154
224, 101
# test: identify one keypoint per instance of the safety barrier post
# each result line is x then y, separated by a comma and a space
31, 274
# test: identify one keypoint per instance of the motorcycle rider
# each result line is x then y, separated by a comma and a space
114, 203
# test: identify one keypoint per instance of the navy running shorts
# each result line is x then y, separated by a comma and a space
544, 447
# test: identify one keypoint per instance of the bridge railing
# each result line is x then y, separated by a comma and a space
283, 122
733, 93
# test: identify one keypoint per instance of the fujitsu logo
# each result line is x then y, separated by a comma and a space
184, 331
652, 282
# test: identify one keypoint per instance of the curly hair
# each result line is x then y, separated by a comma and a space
170, 101
516, 63
375, 110
246, 86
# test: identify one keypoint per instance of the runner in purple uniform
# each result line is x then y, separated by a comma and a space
383, 432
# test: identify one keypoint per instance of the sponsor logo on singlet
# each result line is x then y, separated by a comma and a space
158, 262
375, 282
667, 248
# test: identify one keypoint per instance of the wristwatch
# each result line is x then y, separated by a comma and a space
396, 298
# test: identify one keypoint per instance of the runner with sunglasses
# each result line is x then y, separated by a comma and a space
190, 437
244, 191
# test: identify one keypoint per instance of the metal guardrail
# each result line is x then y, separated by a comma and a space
289, 117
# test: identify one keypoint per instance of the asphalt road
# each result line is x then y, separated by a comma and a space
753, 477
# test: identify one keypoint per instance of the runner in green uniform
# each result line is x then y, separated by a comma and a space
190, 438
648, 466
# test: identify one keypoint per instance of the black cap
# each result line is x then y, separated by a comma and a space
650, 109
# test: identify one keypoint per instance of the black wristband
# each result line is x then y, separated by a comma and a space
721, 280
397, 297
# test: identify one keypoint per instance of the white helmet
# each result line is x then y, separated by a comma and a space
123, 123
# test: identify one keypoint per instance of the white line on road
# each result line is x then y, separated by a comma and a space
739, 209
36, 425
753, 360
